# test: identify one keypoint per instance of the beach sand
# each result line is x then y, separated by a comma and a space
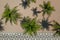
27, 12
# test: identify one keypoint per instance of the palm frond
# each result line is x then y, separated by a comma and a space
30, 26
11, 15
47, 8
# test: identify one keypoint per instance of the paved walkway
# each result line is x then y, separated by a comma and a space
20, 36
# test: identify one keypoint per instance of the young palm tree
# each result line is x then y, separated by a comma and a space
30, 26
47, 8
10, 14
56, 28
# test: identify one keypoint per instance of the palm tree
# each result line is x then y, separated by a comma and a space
10, 14
30, 26
56, 28
47, 8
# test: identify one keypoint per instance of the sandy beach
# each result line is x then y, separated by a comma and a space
27, 12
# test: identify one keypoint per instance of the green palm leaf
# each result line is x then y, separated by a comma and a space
47, 8
11, 15
56, 28
30, 26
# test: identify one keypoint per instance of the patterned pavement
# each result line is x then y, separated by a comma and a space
20, 36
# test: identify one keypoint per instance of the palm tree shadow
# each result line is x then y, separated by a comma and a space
23, 20
1, 27
45, 23
35, 12
24, 4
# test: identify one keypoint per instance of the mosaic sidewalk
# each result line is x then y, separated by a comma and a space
20, 36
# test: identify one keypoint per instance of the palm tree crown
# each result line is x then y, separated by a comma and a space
30, 26
10, 14
47, 8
